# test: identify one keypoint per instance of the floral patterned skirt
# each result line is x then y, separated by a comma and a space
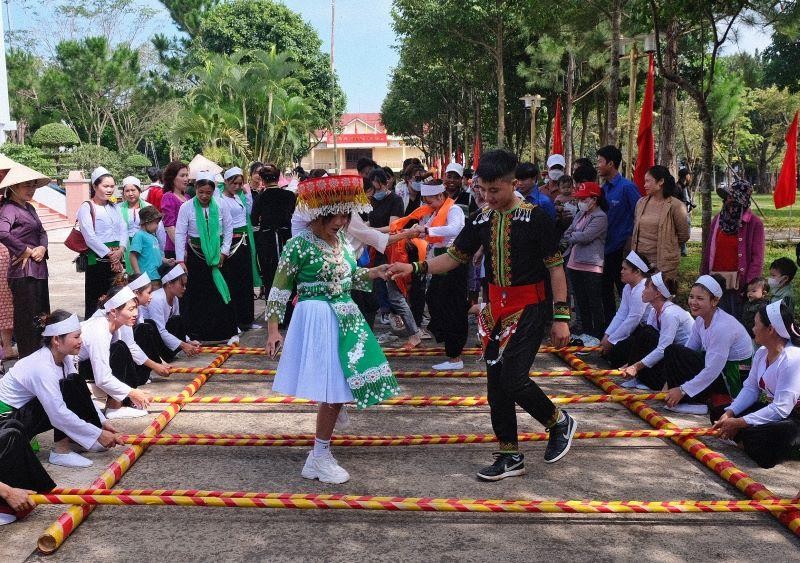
6, 301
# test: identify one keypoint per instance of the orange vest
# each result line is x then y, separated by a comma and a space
439, 218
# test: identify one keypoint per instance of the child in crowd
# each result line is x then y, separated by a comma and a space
566, 205
145, 253
757, 292
781, 274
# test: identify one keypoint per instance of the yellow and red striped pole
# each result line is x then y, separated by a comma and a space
417, 504
413, 400
398, 353
406, 373
54, 536
711, 459
410, 440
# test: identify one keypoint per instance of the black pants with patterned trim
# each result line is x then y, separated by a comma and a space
508, 382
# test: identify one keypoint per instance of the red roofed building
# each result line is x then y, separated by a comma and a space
360, 135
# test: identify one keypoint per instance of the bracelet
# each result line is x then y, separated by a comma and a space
414, 267
561, 311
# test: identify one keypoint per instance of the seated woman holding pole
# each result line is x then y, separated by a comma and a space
704, 375
765, 417
43, 392
667, 323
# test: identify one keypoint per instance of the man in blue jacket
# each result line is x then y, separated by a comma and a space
621, 195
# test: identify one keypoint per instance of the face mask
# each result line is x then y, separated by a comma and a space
380, 195
583, 206
774, 283
555, 174
416, 186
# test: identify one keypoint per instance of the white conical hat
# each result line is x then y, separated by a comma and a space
19, 174
199, 162
6, 163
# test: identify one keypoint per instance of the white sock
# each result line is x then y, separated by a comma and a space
321, 447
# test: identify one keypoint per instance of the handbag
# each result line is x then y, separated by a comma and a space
75, 240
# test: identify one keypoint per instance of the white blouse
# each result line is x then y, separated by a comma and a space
724, 340
38, 377
450, 230
674, 325
125, 333
237, 211
186, 228
97, 348
780, 381
632, 310
108, 227
159, 311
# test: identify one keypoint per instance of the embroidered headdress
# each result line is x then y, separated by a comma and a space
332, 195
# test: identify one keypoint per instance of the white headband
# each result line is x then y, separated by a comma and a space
658, 281
710, 284
140, 282
206, 175
70, 324
637, 261
429, 190
123, 296
231, 172
776, 320
173, 274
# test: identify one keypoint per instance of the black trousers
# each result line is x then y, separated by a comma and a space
508, 382
97, 283
416, 298
31, 299
772, 443
612, 284
149, 340
367, 304
588, 290
34, 419
448, 304
206, 316
122, 366
19, 466
269, 245
680, 364
641, 342
238, 272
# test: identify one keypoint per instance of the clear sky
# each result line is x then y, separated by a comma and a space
364, 40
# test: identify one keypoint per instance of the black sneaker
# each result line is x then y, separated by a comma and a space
505, 464
560, 439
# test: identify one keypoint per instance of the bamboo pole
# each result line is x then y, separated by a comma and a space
405, 374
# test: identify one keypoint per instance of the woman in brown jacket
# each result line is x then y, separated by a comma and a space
660, 226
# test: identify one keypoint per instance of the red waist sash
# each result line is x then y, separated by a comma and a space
506, 304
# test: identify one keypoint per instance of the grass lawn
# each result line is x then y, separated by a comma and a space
690, 266
772, 218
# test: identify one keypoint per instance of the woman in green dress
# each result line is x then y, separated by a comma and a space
331, 355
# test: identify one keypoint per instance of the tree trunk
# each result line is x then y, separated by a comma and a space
669, 97
501, 88
764, 185
584, 127
600, 125
708, 168
568, 113
613, 76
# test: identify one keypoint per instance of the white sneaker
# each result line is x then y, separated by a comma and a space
95, 448
71, 459
631, 383
125, 412
689, 408
445, 366
233, 340
424, 334
7, 518
325, 469
254, 326
589, 340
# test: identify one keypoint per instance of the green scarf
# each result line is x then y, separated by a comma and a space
251, 241
124, 206
210, 243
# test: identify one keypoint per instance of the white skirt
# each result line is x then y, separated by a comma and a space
309, 367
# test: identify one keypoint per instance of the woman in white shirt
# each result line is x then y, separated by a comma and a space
163, 315
632, 310
240, 269
704, 376
667, 323
203, 235
133, 202
106, 235
106, 358
43, 392
765, 417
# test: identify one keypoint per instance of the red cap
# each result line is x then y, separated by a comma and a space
587, 189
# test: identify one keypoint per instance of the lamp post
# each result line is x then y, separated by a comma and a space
532, 103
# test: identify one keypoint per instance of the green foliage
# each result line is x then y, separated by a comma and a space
25, 70
54, 135
88, 157
136, 163
780, 63
32, 157
188, 15
264, 25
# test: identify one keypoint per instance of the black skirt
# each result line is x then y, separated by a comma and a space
206, 316
238, 272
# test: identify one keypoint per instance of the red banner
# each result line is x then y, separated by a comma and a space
356, 138
646, 156
786, 189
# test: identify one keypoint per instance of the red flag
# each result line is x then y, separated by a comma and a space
476, 153
558, 143
646, 156
459, 155
786, 189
